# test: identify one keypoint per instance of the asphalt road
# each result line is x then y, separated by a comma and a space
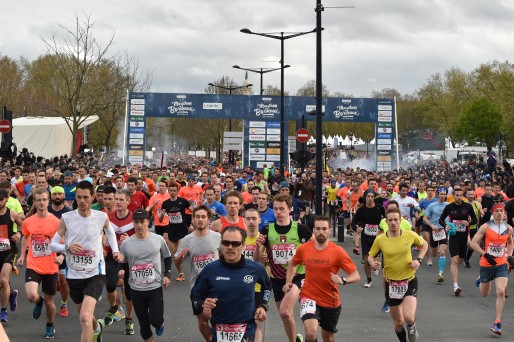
440, 317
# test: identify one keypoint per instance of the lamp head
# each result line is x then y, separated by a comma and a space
245, 30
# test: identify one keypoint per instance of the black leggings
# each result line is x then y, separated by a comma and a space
149, 308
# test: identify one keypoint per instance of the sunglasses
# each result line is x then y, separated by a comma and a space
234, 244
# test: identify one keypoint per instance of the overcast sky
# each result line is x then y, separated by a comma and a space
189, 43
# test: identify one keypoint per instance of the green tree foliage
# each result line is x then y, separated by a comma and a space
480, 123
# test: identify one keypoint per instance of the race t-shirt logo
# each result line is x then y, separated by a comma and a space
248, 279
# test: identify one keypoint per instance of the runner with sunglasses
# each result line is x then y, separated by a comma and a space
225, 290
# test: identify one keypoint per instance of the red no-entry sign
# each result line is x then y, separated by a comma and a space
302, 135
5, 126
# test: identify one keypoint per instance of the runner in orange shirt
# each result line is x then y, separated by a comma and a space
192, 193
352, 202
42, 264
155, 204
320, 303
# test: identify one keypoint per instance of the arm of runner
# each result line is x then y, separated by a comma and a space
56, 245
444, 214
111, 237
474, 219
261, 240
216, 226
151, 208
477, 239
167, 272
291, 271
24, 245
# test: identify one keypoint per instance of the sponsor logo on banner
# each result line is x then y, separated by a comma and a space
312, 108
213, 106
384, 165
384, 158
273, 157
384, 141
257, 130
181, 107
257, 157
385, 113
136, 141
135, 153
260, 165
256, 137
136, 130
137, 112
137, 118
266, 108
273, 131
137, 124
345, 111
385, 130
258, 144
137, 101
385, 118
385, 107
136, 136
135, 159
385, 124
383, 147
384, 136
135, 147
384, 153
257, 124
274, 144
273, 124
273, 138
257, 150
273, 151
137, 107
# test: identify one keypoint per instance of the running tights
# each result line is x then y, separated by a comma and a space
149, 308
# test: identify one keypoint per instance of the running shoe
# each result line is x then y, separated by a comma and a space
36, 312
375, 272
4, 317
412, 333
457, 291
497, 328
362, 260
97, 336
467, 264
120, 314
356, 250
429, 262
181, 277
109, 318
13, 300
368, 284
299, 338
129, 328
385, 308
49, 332
440, 278
477, 281
63, 311
15, 270
160, 330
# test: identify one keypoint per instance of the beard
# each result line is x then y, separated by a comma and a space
58, 201
321, 238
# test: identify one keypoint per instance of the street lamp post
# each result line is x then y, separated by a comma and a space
282, 36
260, 71
230, 89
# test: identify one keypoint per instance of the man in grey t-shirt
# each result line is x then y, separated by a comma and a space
202, 245
142, 256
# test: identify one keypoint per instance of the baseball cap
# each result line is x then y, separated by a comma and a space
57, 189
140, 214
284, 185
68, 174
190, 177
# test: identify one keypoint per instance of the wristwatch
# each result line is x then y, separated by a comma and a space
344, 281
264, 306
420, 260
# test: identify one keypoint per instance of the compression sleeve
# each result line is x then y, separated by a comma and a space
443, 216
56, 245
167, 267
111, 237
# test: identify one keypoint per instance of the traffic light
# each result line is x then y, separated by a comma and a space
302, 157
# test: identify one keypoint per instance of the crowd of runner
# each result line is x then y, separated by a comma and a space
81, 229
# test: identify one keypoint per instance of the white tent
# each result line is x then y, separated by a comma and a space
45, 136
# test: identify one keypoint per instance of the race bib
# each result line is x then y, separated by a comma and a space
40, 248
248, 251
497, 250
200, 261
230, 332
142, 273
5, 245
283, 253
85, 261
460, 226
175, 218
439, 235
307, 306
193, 203
371, 229
398, 289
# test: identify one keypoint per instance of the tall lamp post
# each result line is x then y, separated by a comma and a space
282, 36
230, 89
260, 71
